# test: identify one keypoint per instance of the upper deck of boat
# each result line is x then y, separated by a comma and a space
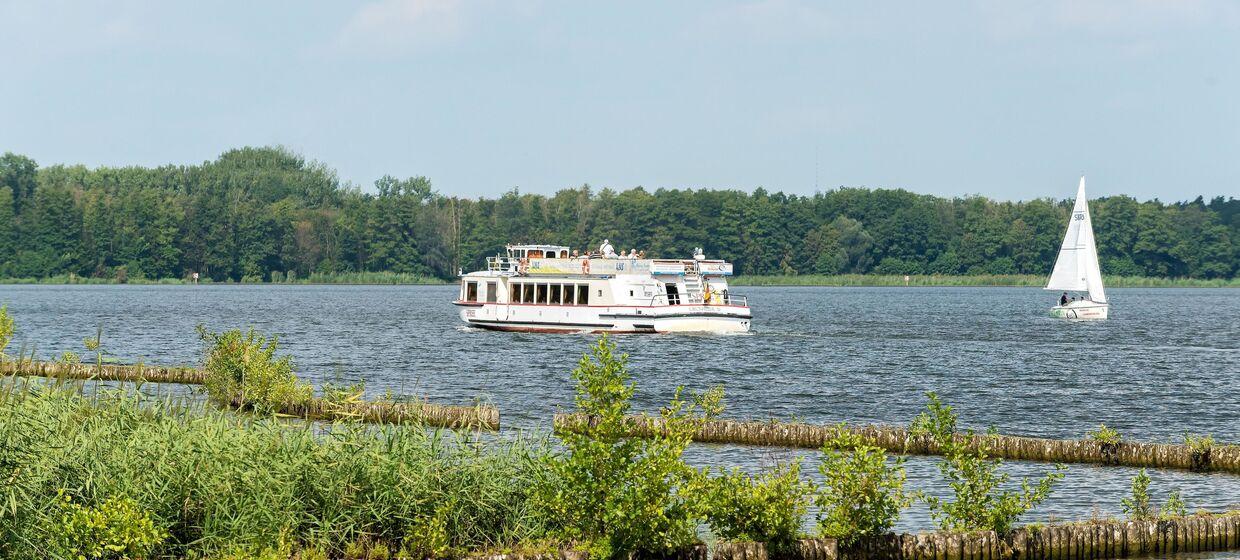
556, 260
604, 266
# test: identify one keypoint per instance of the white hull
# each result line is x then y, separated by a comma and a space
1081, 311
617, 319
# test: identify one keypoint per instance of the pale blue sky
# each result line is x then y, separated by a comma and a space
1008, 99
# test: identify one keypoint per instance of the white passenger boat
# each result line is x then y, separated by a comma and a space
1077, 267
541, 288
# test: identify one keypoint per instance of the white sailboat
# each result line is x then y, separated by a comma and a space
1076, 269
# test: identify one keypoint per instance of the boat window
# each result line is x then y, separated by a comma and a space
471, 291
541, 297
583, 294
492, 292
514, 293
529, 293
555, 294
569, 291
536, 254
673, 295
563, 254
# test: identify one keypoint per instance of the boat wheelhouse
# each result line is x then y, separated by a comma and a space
544, 288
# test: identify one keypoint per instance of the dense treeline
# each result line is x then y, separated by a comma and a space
257, 211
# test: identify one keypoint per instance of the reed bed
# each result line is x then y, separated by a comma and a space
1076, 541
106, 372
220, 483
1221, 458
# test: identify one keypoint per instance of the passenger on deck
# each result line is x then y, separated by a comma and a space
607, 250
1063, 300
632, 253
575, 253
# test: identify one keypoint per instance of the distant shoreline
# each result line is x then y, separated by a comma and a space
806, 280
981, 280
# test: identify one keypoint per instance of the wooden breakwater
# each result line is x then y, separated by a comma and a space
1077, 541
443, 416
106, 372
478, 417
1222, 458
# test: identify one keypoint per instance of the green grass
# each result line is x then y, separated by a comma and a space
220, 483
1025, 280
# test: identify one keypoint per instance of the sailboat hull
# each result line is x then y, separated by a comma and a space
1081, 311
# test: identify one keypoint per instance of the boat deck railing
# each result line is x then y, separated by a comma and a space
503, 264
695, 299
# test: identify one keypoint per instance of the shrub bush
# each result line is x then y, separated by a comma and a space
1137, 505
862, 492
243, 370
612, 493
767, 507
116, 529
979, 502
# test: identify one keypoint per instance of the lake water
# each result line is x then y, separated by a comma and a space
1168, 362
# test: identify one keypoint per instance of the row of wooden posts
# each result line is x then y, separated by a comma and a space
1074, 541
480, 417
897, 439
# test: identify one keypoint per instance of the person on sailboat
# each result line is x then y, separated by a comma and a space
1063, 300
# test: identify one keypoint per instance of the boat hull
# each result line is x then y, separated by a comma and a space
1081, 311
718, 319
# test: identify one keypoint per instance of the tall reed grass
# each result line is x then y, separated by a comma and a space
219, 482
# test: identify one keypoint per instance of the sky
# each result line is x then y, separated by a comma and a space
1008, 99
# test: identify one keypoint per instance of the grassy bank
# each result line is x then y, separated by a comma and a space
215, 483
981, 280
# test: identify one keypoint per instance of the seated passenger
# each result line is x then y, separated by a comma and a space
1063, 300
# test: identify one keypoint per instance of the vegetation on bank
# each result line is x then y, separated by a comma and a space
254, 211
119, 475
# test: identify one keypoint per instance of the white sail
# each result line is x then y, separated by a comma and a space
1077, 268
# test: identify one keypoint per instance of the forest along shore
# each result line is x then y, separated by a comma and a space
833, 280
257, 212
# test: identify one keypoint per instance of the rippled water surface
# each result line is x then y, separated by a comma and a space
1167, 362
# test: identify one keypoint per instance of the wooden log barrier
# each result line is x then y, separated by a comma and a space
1077, 541
479, 417
108, 372
443, 416
897, 439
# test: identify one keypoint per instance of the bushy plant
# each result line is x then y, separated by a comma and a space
1199, 448
243, 370
254, 487
979, 502
862, 492
612, 493
1104, 435
1174, 507
1137, 505
116, 529
767, 507
6, 329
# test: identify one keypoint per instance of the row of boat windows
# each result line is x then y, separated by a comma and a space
529, 292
